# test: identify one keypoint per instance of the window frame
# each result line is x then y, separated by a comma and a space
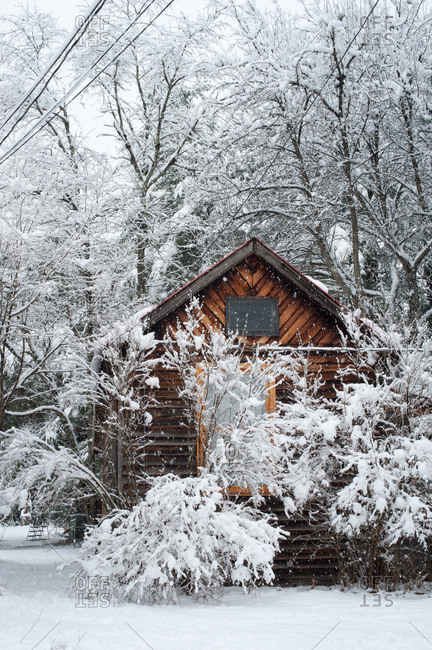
273, 330
270, 401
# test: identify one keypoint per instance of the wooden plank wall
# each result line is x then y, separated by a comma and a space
301, 323
307, 556
171, 438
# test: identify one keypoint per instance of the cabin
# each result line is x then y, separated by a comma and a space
259, 295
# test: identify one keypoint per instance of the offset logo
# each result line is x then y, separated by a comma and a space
96, 32
381, 596
92, 591
377, 29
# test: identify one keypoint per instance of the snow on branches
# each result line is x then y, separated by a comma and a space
230, 394
184, 537
384, 452
38, 469
37, 460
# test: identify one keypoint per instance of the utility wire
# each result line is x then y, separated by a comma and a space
46, 119
57, 61
34, 129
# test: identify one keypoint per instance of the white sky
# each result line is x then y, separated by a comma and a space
67, 10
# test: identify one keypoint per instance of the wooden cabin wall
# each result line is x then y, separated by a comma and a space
170, 440
300, 321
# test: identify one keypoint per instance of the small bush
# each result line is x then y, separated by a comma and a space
184, 537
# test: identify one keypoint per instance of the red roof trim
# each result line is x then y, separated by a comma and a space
303, 275
253, 239
200, 276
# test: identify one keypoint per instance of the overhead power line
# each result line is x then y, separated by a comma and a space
50, 70
65, 101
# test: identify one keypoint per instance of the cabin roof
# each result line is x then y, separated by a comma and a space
252, 247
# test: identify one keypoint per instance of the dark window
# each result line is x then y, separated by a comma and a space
252, 316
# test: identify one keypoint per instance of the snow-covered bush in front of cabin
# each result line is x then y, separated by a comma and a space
228, 393
243, 438
308, 430
383, 508
387, 499
35, 460
124, 385
185, 536
285, 448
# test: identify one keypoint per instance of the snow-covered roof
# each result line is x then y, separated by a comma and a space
314, 289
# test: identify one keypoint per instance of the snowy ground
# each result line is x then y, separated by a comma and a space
37, 612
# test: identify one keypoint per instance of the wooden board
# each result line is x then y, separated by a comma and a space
171, 438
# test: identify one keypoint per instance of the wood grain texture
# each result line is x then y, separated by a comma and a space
306, 317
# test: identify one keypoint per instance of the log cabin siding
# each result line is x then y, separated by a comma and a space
171, 438
307, 317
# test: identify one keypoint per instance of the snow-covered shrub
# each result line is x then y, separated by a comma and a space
384, 504
185, 536
285, 448
127, 362
227, 391
309, 425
